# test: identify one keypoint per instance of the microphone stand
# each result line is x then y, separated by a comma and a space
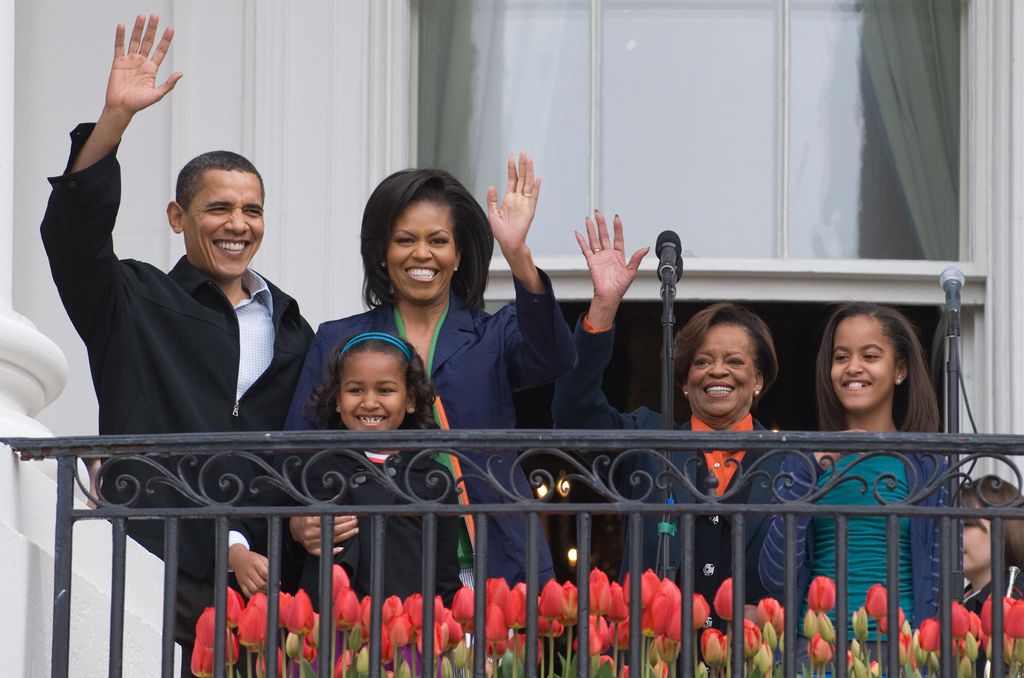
667, 530
953, 367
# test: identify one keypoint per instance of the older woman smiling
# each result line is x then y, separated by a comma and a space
725, 360
426, 247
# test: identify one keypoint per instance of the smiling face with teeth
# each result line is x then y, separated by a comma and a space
865, 371
723, 376
373, 395
421, 255
222, 226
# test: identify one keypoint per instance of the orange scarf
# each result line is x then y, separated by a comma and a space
716, 459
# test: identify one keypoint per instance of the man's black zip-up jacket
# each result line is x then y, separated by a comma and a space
163, 347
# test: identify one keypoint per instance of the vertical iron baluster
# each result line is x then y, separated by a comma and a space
479, 593
842, 597
996, 650
947, 666
326, 668
376, 592
686, 655
583, 600
59, 653
429, 586
532, 586
273, 595
892, 566
636, 542
738, 592
790, 603
170, 598
119, 534
220, 598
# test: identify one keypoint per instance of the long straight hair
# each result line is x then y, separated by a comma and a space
915, 407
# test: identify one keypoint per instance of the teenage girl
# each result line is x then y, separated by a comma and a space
375, 382
870, 376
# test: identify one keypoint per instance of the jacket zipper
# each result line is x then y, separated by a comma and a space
234, 412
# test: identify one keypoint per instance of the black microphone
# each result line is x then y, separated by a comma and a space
952, 281
670, 264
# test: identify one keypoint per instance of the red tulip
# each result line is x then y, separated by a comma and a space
339, 580
599, 635
497, 591
723, 600
300, 614
986, 614
570, 603
346, 609
261, 664
365, 610
961, 620
496, 628
769, 611
1013, 624
258, 600
515, 606
462, 607
600, 592
876, 602
666, 649
440, 639
202, 661
617, 610
392, 608
751, 638
549, 628
414, 608
821, 596
455, 632
308, 651
400, 630
907, 649
928, 635
974, 625
649, 585
713, 646
819, 651
205, 632
235, 606
252, 627
883, 623
549, 605
701, 611
387, 649
344, 664
284, 603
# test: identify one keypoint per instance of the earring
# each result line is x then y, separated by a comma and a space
410, 409
899, 380
757, 392
383, 264
686, 394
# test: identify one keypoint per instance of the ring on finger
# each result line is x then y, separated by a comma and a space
596, 250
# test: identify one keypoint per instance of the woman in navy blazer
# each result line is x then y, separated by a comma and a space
426, 247
725, 360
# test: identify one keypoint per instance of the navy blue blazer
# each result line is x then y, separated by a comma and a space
479, 361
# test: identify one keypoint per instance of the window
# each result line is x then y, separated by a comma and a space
765, 129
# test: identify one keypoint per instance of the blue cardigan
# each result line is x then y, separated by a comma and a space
479, 361
924, 538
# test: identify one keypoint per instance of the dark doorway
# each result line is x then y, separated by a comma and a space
633, 380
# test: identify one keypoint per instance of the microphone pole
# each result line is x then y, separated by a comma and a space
952, 281
670, 270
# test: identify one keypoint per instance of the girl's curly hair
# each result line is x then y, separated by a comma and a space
322, 404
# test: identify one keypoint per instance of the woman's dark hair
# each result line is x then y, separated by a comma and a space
993, 491
914, 406
322, 404
689, 339
473, 238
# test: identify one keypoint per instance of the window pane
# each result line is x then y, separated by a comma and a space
688, 127
874, 129
495, 77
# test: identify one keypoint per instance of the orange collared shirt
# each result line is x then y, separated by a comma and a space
716, 459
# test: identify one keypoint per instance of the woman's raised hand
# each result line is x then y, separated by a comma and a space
510, 220
610, 273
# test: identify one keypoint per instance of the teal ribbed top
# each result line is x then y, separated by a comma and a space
867, 535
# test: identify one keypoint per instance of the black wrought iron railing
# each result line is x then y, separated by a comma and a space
175, 480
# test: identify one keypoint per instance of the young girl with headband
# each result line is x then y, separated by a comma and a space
374, 381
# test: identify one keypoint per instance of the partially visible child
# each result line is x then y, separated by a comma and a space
375, 382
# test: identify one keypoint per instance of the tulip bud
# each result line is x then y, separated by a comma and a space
355, 638
293, 645
825, 628
971, 647
876, 602
855, 649
763, 660
771, 639
713, 646
446, 668
821, 595
819, 651
966, 668
859, 670
810, 624
928, 635
363, 661
460, 655
403, 671
751, 639
860, 625
875, 670
313, 637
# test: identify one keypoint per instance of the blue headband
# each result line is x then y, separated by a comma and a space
379, 336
